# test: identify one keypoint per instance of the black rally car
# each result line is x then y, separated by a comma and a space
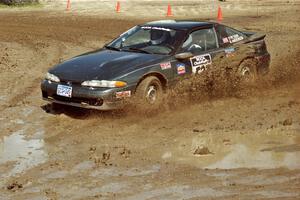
147, 59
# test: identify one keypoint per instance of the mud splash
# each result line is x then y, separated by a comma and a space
219, 80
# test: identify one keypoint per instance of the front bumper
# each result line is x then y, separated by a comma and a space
84, 97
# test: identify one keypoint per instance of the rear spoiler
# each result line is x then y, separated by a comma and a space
252, 37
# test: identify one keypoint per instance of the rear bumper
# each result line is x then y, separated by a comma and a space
263, 63
84, 97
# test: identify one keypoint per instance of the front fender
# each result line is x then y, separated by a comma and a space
134, 77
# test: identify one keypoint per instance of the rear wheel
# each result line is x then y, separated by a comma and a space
248, 71
149, 93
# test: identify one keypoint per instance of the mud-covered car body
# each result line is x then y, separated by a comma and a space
168, 50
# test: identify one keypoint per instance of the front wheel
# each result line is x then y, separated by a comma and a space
149, 93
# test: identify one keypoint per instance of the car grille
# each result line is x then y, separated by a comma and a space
92, 102
65, 82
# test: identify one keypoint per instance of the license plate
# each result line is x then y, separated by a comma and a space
63, 90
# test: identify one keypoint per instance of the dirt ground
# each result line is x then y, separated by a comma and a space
223, 147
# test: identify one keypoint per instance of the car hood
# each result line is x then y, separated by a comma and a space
102, 65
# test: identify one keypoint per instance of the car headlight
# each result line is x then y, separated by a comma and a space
104, 83
52, 77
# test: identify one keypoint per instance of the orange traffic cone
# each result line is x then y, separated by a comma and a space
220, 15
169, 11
69, 5
118, 7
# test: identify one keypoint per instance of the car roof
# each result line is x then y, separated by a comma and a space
179, 24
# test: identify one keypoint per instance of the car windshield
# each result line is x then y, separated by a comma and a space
147, 39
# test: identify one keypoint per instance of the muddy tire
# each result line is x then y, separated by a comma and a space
149, 94
247, 71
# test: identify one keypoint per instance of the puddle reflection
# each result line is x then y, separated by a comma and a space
234, 150
241, 156
26, 153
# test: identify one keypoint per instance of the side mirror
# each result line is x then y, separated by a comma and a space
183, 56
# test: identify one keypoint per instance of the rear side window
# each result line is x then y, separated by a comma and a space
228, 35
200, 40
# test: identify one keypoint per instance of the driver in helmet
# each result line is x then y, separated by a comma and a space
159, 36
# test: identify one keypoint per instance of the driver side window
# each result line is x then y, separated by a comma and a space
200, 41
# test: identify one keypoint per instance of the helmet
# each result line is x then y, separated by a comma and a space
158, 36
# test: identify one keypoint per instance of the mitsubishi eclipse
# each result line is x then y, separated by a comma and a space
146, 60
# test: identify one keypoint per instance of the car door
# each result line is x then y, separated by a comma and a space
203, 44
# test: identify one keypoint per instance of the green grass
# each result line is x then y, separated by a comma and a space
25, 5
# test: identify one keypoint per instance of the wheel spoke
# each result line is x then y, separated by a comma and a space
151, 94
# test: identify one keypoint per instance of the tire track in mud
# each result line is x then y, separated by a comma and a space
60, 27
21, 96
27, 73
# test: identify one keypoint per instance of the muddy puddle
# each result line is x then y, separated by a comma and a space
2, 97
19, 153
243, 156
233, 151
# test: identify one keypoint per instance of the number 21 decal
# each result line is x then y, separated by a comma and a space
199, 63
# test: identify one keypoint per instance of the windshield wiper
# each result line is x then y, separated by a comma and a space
112, 48
139, 50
